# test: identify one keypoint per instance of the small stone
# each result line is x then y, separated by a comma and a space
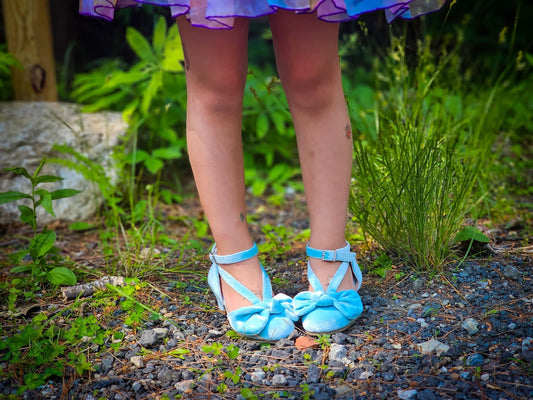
148, 338
161, 333
214, 333
107, 363
433, 345
258, 376
511, 326
418, 284
388, 376
342, 391
136, 386
339, 337
397, 346
279, 380
511, 272
485, 377
313, 373
337, 352
137, 361
470, 325
475, 360
422, 322
406, 394
184, 387
365, 375
426, 394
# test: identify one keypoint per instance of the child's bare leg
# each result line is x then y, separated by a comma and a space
308, 64
216, 69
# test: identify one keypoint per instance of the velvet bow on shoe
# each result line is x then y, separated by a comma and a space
270, 319
327, 311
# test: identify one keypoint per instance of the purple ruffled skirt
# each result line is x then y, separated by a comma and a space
220, 14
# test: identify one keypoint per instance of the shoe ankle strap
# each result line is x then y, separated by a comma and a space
342, 254
233, 258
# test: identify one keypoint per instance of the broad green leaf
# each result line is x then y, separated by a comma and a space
42, 244
27, 216
61, 276
20, 268
258, 187
47, 178
160, 32
471, 233
167, 153
19, 171
136, 157
262, 125
63, 193
139, 45
45, 201
173, 53
153, 164
6, 197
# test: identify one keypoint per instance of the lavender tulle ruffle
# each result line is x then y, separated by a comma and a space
220, 14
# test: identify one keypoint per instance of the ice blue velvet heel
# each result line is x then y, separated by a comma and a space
269, 319
330, 311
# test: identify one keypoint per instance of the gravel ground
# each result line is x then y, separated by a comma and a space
463, 334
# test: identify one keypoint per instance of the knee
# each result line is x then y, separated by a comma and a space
309, 89
218, 89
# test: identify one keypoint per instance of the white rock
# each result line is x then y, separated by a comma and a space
137, 361
184, 387
470, 325
433, 346
28, 130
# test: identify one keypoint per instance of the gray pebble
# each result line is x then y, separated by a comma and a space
107, 363
136, 386
313, 373
475, 360
279, 380
407, 394
470, 325
148, 338
337, 352
418, 284
511, 272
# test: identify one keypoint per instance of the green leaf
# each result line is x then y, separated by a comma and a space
20, 268
136, 157
63, 193
160, 32
139, 45
153, 164
47, 178
45, 200
262, 125
168, 153
42, 244
471, 233
173, 54
19, 171
38, 170
27, 216
61, 276
153, 87
6, 197
80, 226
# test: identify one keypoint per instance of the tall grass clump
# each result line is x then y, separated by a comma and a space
415, 171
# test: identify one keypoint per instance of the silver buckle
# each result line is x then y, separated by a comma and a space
324, 255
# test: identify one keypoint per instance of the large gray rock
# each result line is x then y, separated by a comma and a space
28, 130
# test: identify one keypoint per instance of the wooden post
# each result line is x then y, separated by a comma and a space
29, 39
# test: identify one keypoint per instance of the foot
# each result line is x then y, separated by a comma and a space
251, 309
248, 273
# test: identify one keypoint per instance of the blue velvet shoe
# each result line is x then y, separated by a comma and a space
269, 319
330, 311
